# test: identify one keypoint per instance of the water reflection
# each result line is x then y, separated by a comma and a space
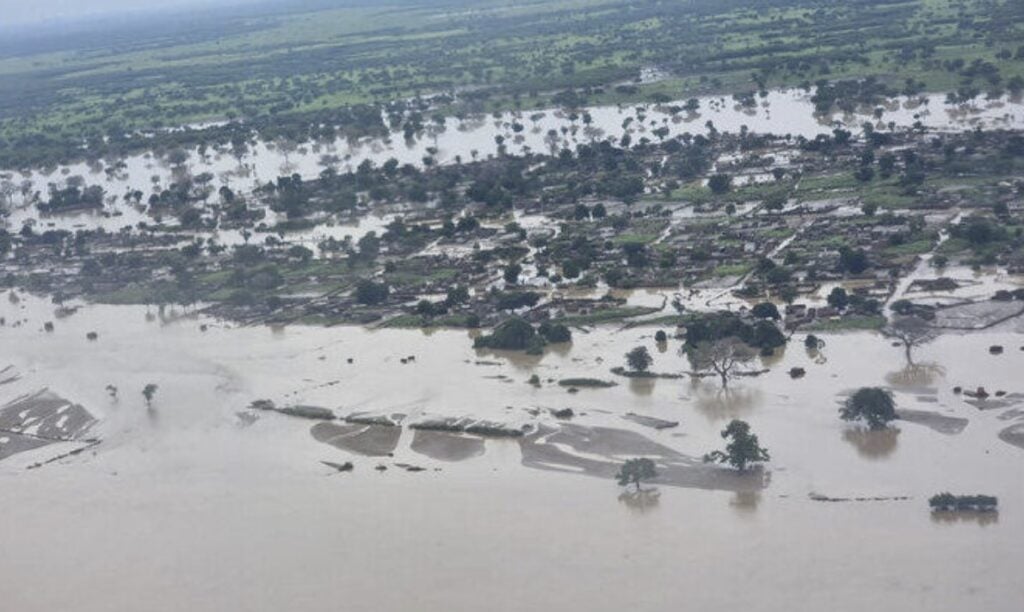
642, 386
560, 348
817, 353
745, 502
983, 519
873, 443
519, 360
641, 500
718, 403
778, 354
916, 375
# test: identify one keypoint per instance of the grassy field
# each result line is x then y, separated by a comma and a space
289, 63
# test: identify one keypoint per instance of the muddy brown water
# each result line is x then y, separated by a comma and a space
181, 507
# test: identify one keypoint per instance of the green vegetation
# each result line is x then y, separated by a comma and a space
742, 449
721, 357
513, 334
636, 470
639, 359
872, 405
607, 315
592, 383
947, 502
320, 68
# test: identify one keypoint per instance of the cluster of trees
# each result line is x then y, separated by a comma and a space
517, 334
760, 334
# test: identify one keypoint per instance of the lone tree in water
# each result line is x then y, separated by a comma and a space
636, 470
722, 357
910, 331
148, 392
742, 450
639, 359
872, 405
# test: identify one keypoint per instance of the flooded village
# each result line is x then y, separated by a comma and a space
466, 325
758, 349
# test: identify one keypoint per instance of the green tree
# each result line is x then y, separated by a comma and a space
722, 357
742, 449
512, 273
456, 295
872, 405
910, 331
766, 310
838, 298
371, 293
555, 332
853, 261
636, 470
720, 183
639, 359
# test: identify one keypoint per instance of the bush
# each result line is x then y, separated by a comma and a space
947, 502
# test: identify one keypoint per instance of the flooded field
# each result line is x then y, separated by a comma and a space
196, 501
780, 112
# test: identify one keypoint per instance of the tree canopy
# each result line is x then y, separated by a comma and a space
871, 405
742, 449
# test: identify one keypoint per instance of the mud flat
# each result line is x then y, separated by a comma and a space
43, 418
600, 451
444, 446
941, 423
649, 421
369, 440
976, 315
1014, 435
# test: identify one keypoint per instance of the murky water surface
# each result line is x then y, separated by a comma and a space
197, 503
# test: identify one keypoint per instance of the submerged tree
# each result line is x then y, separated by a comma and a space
639, 359
148, 392
722, 357
636, 470
742, 449
910, 331
872, 405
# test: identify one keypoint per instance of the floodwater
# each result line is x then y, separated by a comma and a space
781, 112
186, 505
